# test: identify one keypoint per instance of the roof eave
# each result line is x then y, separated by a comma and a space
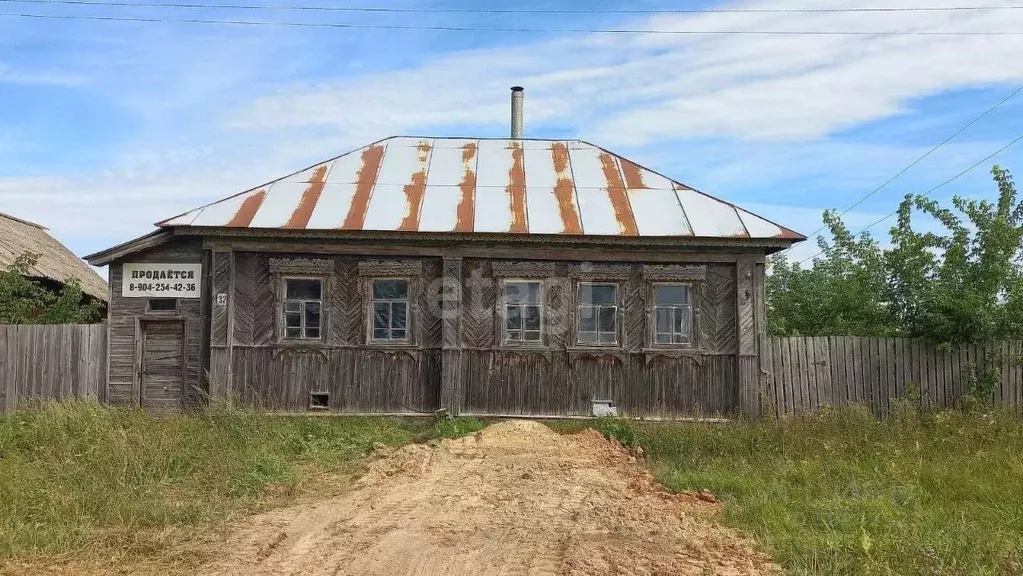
785, 240
155, 238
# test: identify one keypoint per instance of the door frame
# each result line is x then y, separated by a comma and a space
140, 350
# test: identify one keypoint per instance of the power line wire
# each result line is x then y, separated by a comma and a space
513, 10
536, 30
928, 193
928, 153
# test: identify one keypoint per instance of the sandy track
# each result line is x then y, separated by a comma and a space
515, 499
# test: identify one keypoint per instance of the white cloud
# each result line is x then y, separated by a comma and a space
219, 114
643, 88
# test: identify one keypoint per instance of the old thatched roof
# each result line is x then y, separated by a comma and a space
55, 262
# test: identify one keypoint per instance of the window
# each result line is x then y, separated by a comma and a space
303, 300
390, 310
522, 310
598, 314
673, 314
163, 305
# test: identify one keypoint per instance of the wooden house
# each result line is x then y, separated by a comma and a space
481, 276
53, 263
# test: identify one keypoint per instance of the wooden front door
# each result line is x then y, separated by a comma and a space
163, 365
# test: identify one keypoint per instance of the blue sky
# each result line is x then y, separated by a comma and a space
107, 127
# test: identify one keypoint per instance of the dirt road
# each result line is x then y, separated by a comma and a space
514, 499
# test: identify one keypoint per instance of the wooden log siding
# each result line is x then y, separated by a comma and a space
51, 362
124, 315
808, 373
460, 364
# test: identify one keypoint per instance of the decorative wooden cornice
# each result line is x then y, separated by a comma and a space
657, 272
403, 267
525, 269
301, 266
591, 271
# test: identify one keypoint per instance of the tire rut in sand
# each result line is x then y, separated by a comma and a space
516, 499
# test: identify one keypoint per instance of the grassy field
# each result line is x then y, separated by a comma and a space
83, 481
842, 493
839, 493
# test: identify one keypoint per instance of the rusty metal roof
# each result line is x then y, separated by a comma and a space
483, 185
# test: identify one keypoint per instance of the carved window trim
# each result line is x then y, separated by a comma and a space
695, 292
501, 337
371, 313
619, 306
410, 270
301, 266
677, 273
523, 269
599, 272
280, 295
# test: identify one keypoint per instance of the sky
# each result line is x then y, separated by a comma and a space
107, 127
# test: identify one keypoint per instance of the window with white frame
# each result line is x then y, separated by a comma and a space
673, 314
523, 311
598, 314
390, 310
303, 303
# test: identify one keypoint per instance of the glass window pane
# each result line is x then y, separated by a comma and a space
671, 294
597, 293
681, 339
514, 336
534, 293
682, 322
398, 315
608, 338
531, 336
380, 333
397, 334
312, 314
588, 337
292, 320
381, 316
293, 333
390, 289
292, 306
515, 292
514, 319
587, 319
312, 332
531, 317
303, 288
662, 320
607, 320
664, 338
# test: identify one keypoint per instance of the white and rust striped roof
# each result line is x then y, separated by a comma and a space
483, 186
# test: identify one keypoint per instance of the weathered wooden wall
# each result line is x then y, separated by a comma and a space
257, 369
51, 362
807, 373
124, 315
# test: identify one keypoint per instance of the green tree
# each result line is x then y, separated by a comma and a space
963, 285
26, 301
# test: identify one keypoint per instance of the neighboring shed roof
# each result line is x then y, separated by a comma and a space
484, 185
55, 262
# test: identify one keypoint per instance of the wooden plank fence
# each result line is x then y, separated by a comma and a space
801, 374
58, 361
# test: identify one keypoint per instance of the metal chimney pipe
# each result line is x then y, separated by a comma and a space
516, 112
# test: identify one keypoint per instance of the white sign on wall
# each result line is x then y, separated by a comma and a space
160, 280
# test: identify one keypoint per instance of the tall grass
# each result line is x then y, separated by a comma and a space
843, 493
80, 477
